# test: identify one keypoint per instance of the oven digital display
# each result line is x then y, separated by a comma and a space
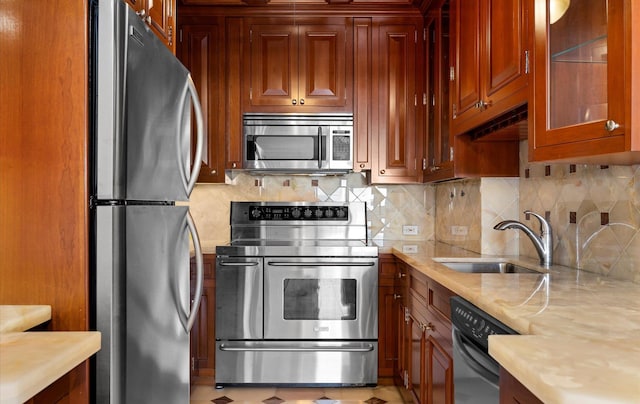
309, 212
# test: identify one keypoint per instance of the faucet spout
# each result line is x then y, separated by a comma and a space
543, 242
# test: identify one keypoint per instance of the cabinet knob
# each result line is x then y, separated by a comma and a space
362, 165
294, 101
401, 275
611, 125
434, 168
396, 296
301, 101
234, 165
482, 105
427, 327
214, 172
382, 172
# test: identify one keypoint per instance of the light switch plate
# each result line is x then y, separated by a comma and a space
410, 249
459, 230
410, 230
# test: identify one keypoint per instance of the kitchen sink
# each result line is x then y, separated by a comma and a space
484, 267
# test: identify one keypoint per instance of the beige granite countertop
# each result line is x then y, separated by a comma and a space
16, 318
582, 342
30, 361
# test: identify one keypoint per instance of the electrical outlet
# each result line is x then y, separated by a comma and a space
410, 230
459, 230
410, 249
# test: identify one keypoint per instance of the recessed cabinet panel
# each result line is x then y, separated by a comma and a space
322, 59
273, 64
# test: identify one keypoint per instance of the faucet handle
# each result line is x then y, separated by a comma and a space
545, 227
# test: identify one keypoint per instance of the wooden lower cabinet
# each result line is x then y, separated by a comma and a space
203, 340
387, 308
423, 340
514, 392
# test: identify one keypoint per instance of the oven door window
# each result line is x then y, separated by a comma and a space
319, 299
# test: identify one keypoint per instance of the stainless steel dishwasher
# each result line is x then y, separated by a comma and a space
475, 372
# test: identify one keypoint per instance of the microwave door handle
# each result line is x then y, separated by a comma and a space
319, 147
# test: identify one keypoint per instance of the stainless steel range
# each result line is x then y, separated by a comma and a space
297, 296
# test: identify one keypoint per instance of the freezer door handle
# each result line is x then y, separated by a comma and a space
197, 108
199, 274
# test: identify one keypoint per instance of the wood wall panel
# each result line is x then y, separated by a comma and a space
43, 167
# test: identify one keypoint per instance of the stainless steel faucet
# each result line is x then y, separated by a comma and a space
543, 243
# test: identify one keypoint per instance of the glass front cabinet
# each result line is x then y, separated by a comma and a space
586, 94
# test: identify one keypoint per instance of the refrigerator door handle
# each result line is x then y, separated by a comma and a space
197, 108
199, 274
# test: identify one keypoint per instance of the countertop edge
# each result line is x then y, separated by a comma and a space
31, 361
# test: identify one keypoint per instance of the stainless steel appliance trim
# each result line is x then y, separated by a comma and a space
197, 159
320, 264
195, 305
345, 347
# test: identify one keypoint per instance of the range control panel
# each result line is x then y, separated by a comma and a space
474, 323
299, 212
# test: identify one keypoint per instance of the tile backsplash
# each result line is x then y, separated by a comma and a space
389, 206
594, 210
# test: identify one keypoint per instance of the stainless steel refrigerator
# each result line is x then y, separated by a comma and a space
144, 106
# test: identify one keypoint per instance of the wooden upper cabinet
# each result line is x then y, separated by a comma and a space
202, 52
299, 67
396, 90
587, 83
160, 16
490, 60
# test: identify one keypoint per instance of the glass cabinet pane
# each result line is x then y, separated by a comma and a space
577, 61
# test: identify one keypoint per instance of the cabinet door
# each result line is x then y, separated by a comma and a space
202, 52
440, 374
273, 65
161, 19
396, 94
490, 77
417, 376
582, 81
322, 58
362, 85
468, 37
388, 300
203, 332
439, 148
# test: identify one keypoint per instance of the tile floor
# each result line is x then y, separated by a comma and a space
276, 395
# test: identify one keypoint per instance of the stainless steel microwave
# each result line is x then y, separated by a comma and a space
294, 143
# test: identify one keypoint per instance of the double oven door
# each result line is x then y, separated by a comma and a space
296, 320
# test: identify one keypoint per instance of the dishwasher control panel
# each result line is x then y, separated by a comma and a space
475, 323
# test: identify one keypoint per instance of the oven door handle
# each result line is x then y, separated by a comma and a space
319, 147
460, 345
320, 264
238, 264
306, 348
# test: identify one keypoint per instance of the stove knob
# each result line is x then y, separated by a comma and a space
318, 212
328, 213
296, 213
308, 213
341, 212
256, 213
